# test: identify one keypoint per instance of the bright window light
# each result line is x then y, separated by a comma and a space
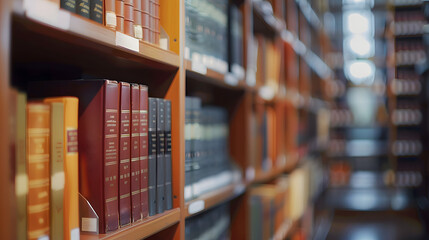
358, 22
359, 46
360, 71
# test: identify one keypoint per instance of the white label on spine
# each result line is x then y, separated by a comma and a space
138, 31
111, 19
126, 41
89, 224
250, 173
74, 233
196, 206
231, 79
43, 238
199, 67
48, 13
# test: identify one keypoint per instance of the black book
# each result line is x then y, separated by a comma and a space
152, 151
196, 147
167, 157
82, 8
69, 5
160, 147
96, 10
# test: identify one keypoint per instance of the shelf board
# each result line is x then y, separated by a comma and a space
215, 198
286, 229
141, 229
84, 32
265, 176
210, 76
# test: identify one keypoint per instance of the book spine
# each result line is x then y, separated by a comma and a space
152, 151
96, 10
57, 170
135, 153
157, 28
38, 144
138, 31
152, 21
188, 147
119, 8
129, 17
124, 156
167, 157
82, 8
111, 154
144, 150
110, 14
160, 147
69, 5
146, 19
19, 121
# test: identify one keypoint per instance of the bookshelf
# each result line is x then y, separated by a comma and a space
66, 46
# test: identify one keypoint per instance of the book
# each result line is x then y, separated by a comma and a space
125, 155
129, 17
144, 150
96, 10
18, 128
57, 171
188, 148
110, 14
152, 21
69, 5
119, 8
135, 153
138, 30
98, 141
71, 166
82, 8
146, 19
160, 147
157, 27
38, 154
152, 154
167, 157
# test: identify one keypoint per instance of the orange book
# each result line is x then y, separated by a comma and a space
38, 148
71, 186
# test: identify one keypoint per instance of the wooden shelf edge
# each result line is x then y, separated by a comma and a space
216, 197
96, 34
264, 176
211, 76
142, 229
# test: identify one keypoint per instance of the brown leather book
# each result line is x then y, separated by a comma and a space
110, 14
124, 156
157, 27
135, 153
146, 19
38, 153
98, 143
144, 150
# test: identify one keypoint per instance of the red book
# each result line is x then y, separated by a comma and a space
135, 153
98, 142
145, 19
124, 156
144, 149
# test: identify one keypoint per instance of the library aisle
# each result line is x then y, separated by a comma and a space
214, 119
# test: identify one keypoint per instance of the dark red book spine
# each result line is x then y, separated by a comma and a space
144, 149
129, 17
120, 15
157, 27
111, 142
124, 156
135, 153
152, 21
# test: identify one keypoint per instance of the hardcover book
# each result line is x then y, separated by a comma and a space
96, 10
135, 153
144, 150
152, 151
82, 8
160, 147
38, 155
167, 157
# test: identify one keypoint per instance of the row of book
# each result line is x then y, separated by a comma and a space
409, 22
406, 87
98, 156
407, 147
137, 18
213, 224
207, 162
285, 200
209, 24
407, 116
409, 52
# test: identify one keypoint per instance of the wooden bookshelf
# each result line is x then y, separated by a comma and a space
214, 198
262, 176
141, 229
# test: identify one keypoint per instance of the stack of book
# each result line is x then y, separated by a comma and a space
213, 224
136, 18
207, 163
118, 159
206, 32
